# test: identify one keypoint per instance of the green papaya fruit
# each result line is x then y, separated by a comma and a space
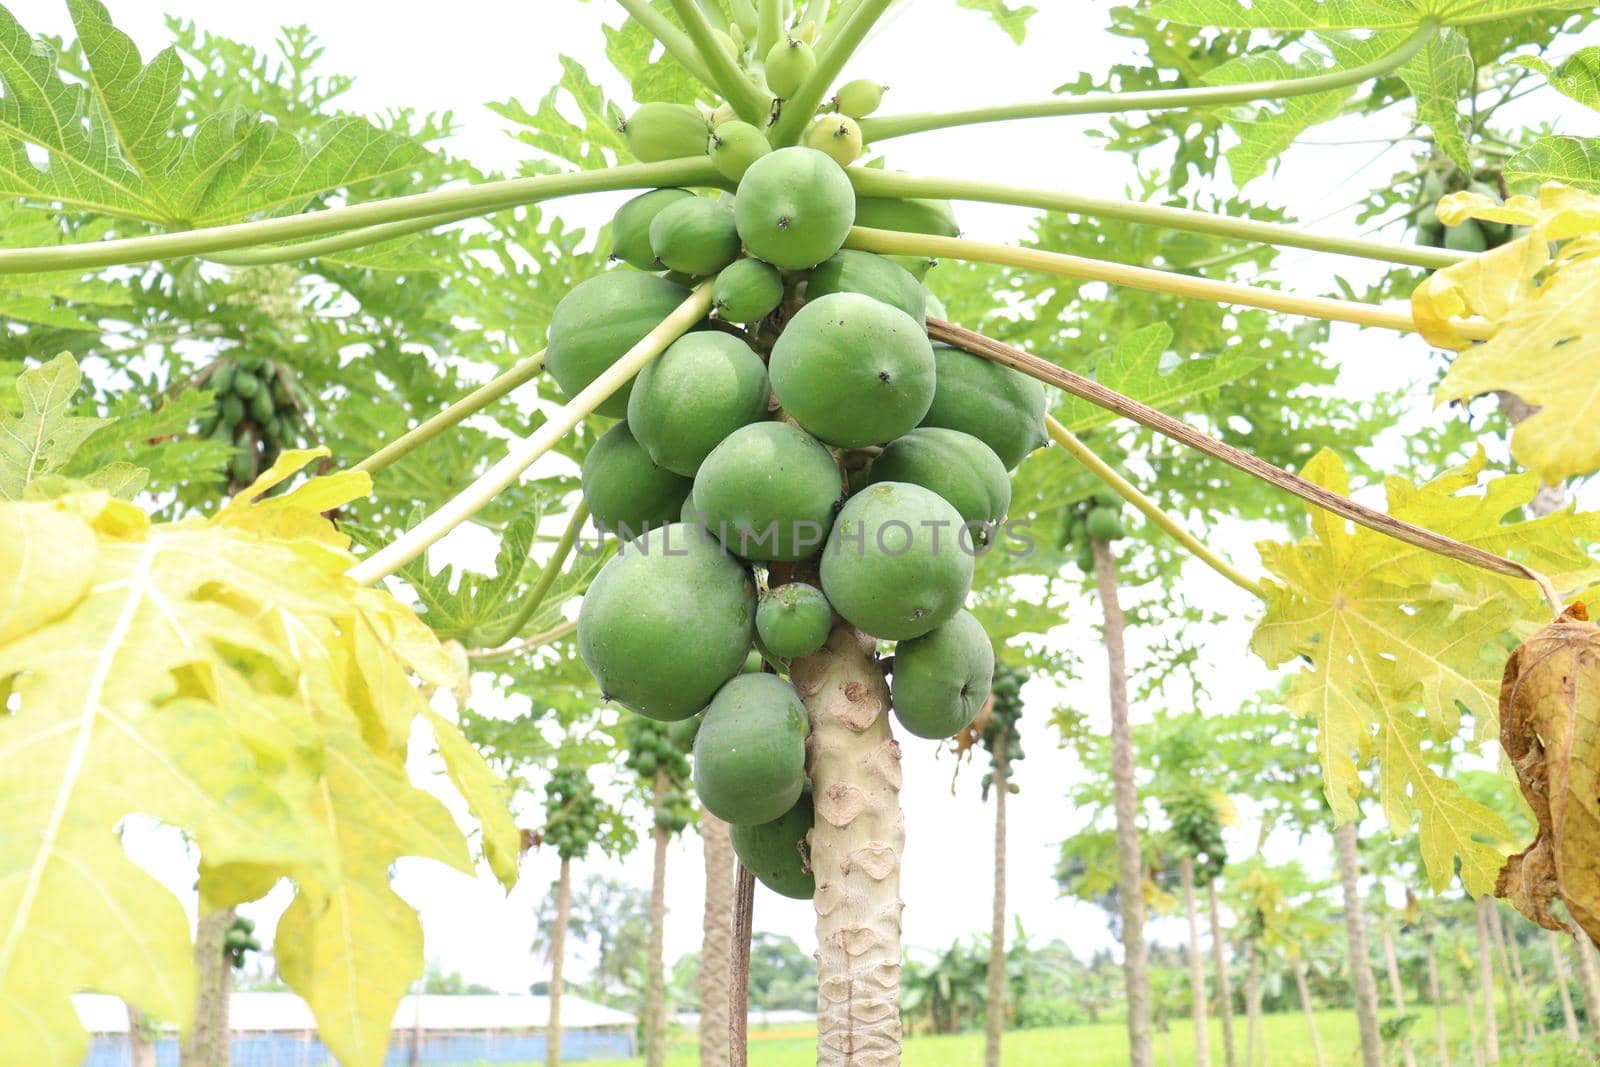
789, 63
957, 466
659, 131
261, 407
596, 323
1467, 237
836, 136
702, 388
852, 370
1428, 218
221, 431
909, 216
851, 271
232, 410
793, 619
734, 146
942, 679
794, 208
1104, 524
222, 378
246, 385
746, 291
697, 236
667, 620
282, 395
893, 565
243, 467
750, 751
1085, 559
1105, 498
630, 227
858, 98
1001, 407
776, 852
768, 491
1432, 187
932, 305
626, 491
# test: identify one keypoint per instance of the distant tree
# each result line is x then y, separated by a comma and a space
611, 919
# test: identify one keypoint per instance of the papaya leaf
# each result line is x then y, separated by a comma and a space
630, 49
1577, 78
486, 794
45, 435
1573, 161
549, 130
1438, 77
1346, 14
1264, 132
1012, 20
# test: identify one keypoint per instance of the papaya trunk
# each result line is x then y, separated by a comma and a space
558, 953
1470, 1011
1304, 989
856, 845
1558, 962
1497, 939
716, 938
1589, 981
141, 1050
210, 1043
1219, 964
1197, 967
744, 901
1441, 1035
1252, 1004
655, 1007
1397, 992
1491, 1026
995, 1010
1130, 868
1355, 930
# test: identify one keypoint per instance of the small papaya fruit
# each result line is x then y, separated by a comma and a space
261, 407
777, 853
221, 380
1104, 524
667, 620
659, 131
932, 305
836, 136
768, 491
853, 370
942, 679
893, 565
851, 271
247, 385
734, 146
703, 387
746, 291
596, 323
858, 98
1085, 558
957, 466
793, 619
794, 208
630, 227
232, 410
626, 491
789, 63
750, 751
1001, 407
696, 236
244, 466
910, 216
1467, 237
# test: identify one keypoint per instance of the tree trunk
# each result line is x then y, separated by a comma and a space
1497, 938
1397, 992
1559, 963
141, 1050
210, 1043
744, 903
1505, 936
1252, 1004
1219, 964
558, 953
1434, 994
1491, 1026
1304, 987
716, 942
1197, 967
655, 998
1130, 867
856, 845
1471, 1013
1589, 981
1355, 930
995, 1010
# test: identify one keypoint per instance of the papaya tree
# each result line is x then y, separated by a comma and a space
1003, 742
572, 822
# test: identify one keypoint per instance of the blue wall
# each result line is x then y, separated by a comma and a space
456, 1050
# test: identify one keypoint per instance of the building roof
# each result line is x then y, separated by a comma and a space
101, 1014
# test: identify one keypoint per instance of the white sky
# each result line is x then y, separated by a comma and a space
458, 56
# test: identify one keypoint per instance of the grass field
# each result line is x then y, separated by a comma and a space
1105, 1045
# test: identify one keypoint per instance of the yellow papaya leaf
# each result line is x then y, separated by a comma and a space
47, 556
1457, 208
295, 514
1550, 730
1490, 284
486, 794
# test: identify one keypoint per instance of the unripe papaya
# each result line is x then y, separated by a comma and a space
222, 378
1104, 524
836, 136
244, 466
910, 216
858, 98
697, 236
747, 290
232, 410
1467, 237
630, 227
789, 63
750, 751
776, 852
667, 620
793, 619
247, 385
660, 131
1001, 407
1085, 559
794, 208
932, 305
769, 491
942, 678
626, 492
853, 370
596, 323
956, 465
702, 388
220, 431
893, 565
734, 146
261, 407
851, 271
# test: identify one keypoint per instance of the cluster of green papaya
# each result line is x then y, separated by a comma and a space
1001, 723
1096, 518
803, 455
1472, 235
657, 746
258, 410
238, 941
572, 813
